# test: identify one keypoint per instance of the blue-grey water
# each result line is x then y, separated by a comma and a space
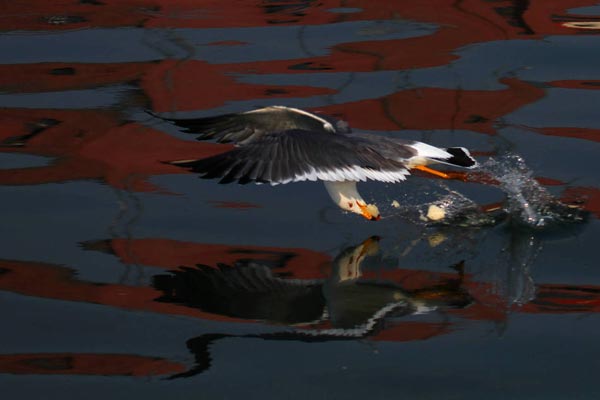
124, 277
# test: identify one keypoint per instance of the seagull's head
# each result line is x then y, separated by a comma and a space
368, 211
348, 263
345, 195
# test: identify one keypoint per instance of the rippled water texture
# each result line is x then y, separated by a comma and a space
122, 276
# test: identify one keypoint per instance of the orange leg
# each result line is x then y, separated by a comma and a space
446, 175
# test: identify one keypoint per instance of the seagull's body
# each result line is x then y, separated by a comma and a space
251, 289
279, 145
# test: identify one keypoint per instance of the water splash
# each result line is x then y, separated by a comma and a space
455, 209
443, 206
528, 203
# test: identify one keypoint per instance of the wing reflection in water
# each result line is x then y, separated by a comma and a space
345, 305
394, 294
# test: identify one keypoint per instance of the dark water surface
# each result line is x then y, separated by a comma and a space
124, 277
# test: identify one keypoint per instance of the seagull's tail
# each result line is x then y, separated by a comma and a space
459, 157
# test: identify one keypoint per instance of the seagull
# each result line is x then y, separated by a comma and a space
252, 289
279, 145
344, 305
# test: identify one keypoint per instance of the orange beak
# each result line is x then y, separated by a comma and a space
364, 210
370, 246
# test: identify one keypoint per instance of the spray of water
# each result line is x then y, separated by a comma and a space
440, 205
528, 203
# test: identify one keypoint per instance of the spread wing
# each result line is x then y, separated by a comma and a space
244, 291
243, 128
300, 155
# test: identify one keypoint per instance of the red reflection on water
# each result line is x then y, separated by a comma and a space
97, 145
431, 108
196, 85
590, 196
300, 263
57, 282
571, 84
64, 14
47, 77
458, 25
577, 133
94, 145
409, 331
565, 298
506, 17
305, 264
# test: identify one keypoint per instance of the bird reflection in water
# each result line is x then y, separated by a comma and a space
343, 306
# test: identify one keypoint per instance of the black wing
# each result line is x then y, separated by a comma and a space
242, 128
299, 155
243, 291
